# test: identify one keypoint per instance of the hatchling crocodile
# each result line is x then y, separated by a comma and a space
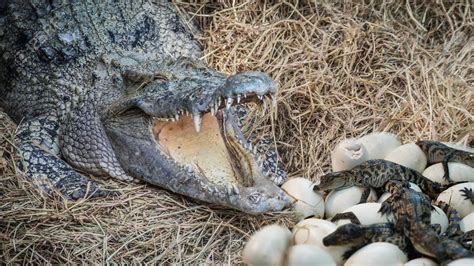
376, 173
437, 152
117, 89
412, 214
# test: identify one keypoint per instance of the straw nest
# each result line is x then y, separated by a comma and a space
343, 70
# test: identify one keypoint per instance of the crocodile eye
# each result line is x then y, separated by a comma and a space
66, 98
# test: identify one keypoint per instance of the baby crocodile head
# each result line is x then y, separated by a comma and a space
178, 128
336, 181
345, 234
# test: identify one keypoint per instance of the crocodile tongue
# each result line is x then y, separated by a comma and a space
212, 150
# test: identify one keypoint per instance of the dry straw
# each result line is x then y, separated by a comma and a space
344, 70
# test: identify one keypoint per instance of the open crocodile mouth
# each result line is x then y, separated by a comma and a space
184, 135
210, 145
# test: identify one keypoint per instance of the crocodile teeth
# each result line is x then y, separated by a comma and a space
176, 117
236, 189
229, 102
218, 102
260, 97
213, 111
239, 97
197, 121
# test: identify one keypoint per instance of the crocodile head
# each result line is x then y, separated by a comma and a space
336, 181
177, 127
345, 234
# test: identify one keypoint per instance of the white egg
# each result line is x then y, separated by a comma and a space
367, 213
347, 154
307, 202
439, 217
302, 255
378, 253
386, 195
462, 262
467, 223
421, 262
339, 200
379, 144
453, 196
267, 246
408, 155
458, 172
312, 231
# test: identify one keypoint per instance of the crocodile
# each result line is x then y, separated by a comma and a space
375, 173
117, 89
412, 215
437, 152
358, 235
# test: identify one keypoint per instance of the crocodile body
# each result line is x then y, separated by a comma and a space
412, 213
375, 173
437, 152
116, 89
358, 236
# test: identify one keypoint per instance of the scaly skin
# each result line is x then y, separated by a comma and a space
88, 80
375, 173
360, 235
412, 213
437, 152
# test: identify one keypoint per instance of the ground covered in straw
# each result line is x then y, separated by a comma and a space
344, 70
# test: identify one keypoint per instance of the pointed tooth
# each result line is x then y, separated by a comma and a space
250, 146
172, 119
219, 101
213, 111
229, 102
229, 189
176, 117
260, 97
254, 150
197, 121
245, 95
236, 189
239, 97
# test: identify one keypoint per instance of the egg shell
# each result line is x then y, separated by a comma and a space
421, 262
385, 195
453, 197
379, 144
307, 202
378, 253
439, 217
467, 223
302, 255
312, 231
267, 246
347, 154
462, 262
367, 214
408, 155
339, 200
458, 172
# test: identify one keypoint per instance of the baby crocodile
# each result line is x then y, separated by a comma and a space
375, 173
412, 214
360, 235
437, 152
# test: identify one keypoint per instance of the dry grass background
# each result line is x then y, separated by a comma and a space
344, 69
